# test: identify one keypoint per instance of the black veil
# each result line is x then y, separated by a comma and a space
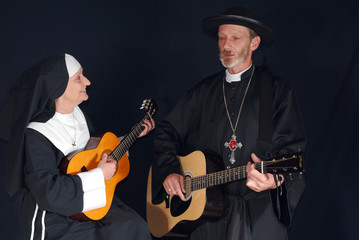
31, 98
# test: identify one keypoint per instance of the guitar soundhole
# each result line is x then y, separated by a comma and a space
178, 206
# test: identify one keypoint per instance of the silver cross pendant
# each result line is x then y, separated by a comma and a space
232, 144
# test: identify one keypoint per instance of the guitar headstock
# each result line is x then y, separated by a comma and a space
287, 164
150, 107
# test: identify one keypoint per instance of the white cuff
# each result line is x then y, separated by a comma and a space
93, 185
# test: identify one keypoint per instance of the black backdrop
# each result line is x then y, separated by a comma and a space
132, 50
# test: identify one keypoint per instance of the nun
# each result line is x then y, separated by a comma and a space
42, 122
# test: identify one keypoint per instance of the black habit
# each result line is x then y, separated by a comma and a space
199, 122
50, 198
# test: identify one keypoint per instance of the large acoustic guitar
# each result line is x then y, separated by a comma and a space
116, 149
174, 217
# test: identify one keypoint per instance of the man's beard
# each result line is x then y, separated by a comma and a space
239, 58
229, 65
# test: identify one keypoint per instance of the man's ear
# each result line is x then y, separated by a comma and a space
255, 43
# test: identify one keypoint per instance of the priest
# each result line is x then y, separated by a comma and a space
242, 115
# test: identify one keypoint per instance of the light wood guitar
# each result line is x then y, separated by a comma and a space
116, 149
174, 217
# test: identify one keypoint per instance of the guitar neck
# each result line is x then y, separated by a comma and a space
217, 178
128, 140
274, 166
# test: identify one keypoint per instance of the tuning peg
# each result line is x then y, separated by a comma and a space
144, 103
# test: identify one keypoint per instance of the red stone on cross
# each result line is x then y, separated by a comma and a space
233, 145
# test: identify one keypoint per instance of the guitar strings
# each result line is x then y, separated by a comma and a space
127, 142
224, 176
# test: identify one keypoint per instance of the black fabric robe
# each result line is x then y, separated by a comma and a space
31, 98
59, 196
199, 122
32, 161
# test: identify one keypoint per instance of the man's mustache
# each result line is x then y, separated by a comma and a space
226, 52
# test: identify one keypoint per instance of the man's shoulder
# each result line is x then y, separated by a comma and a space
210, 80
277, 80
216, 75
280, 86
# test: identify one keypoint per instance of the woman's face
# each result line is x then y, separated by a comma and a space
75, 92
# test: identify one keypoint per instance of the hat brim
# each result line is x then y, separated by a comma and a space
211, 25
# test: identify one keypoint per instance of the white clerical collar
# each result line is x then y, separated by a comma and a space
235, 77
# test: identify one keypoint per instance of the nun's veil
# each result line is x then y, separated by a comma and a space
32, 98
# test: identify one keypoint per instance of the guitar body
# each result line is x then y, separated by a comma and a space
174, 217
204, 197
115, 149
88, 160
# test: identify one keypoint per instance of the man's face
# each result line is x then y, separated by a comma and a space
236, 46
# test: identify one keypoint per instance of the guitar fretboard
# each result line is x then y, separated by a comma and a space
128, 140
217, 178
233, 174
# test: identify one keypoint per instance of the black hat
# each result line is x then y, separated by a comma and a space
238, 16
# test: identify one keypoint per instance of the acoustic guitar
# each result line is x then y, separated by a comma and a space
174, 217
110, 144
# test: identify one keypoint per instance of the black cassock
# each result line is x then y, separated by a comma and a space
60, 196
199, 122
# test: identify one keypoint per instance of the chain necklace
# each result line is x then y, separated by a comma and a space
232, 144
73, 140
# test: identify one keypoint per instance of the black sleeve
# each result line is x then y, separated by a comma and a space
288, 137
52, 191
173, 136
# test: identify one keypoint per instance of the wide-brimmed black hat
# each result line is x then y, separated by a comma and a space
238, 16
